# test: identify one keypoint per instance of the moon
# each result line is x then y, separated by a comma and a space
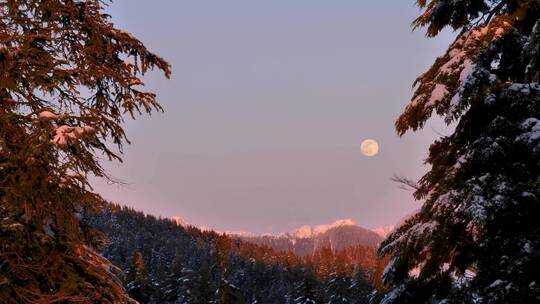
369, 147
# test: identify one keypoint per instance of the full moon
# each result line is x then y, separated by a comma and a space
369, 147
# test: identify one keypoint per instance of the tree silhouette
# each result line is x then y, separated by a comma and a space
67, 77
476, 239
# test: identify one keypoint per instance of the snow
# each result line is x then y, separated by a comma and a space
63, 135
90, 256
312, 231
392, 295
454, 103
415, 272
302, 232
532, 125
437, 88
67, 134
14, 226
438, 94
415, 232
69, 177
47, 115
519, 87
480, 32
422, 228
470, 274
477, 208
466, 72
456, 55
527, 194
527, 248
135, 81
500, 31
460, 161
524, 87
48, 230
299, 233
384, 231
468, 68
496, 283
390, 267
490, 99
179, 221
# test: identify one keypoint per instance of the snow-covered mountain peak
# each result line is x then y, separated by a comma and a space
384, 231
179, 220
312, 231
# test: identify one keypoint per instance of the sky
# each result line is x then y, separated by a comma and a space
266, 109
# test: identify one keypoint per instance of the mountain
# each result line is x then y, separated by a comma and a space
312, 231
167, 261
306, 240
180, 221
384, 231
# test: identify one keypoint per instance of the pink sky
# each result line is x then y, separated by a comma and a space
266, 108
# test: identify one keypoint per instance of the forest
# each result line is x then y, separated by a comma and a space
70, 80
167, 263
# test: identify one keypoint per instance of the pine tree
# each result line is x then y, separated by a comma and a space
138, 284
227, 292
360, 288
257, 298
476, 238
67, 75
182, 288
337, 289
230, 294
306, 290
203, 290
175, 278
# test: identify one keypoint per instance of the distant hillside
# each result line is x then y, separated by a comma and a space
384, 231
165, 262
307, 240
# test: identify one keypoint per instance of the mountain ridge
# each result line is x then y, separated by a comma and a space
305, 240
305, 231
166, 262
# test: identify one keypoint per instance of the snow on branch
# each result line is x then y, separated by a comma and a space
441, 86
66, 134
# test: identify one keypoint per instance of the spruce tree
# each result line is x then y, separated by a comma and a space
476, 238
361, 288
306, 290
204, 290
175, 278
337, 289
137, 280
67, 76
229, 294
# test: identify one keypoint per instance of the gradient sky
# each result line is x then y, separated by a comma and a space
266, 108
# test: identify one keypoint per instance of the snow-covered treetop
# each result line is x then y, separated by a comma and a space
455, 13
484, 176
481, 24
441, 87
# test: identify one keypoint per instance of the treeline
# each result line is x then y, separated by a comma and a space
166, 263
